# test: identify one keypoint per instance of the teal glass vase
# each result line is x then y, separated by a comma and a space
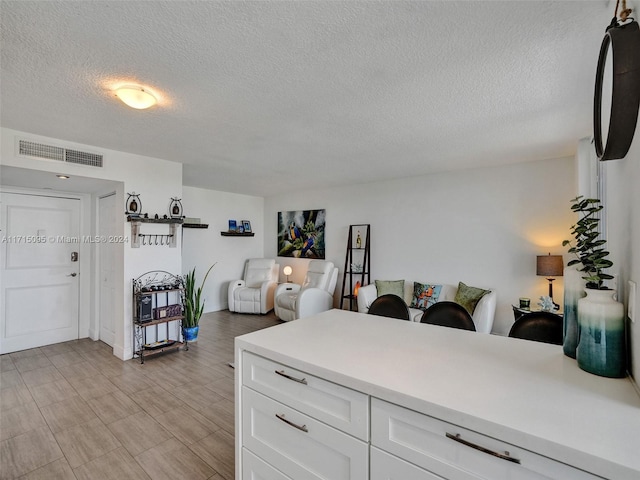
601, 347
574, 287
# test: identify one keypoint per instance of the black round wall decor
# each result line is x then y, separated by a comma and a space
624, 42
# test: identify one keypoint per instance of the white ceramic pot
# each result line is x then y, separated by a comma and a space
601, 347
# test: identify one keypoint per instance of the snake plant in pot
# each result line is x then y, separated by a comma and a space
600, 318
193, 304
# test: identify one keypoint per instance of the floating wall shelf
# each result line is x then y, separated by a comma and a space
236, 234
195, 225
138, 238
131, 218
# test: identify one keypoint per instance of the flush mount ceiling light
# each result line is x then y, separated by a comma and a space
136, 97
63, 177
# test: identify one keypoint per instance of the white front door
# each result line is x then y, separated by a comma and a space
39, 291
106, 267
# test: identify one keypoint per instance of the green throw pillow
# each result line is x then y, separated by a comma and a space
390, 286
469, 297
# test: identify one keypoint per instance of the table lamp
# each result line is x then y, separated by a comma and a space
550, 266
287, 271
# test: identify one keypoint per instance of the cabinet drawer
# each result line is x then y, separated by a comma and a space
387, 467
338, 406
254, 468
425, 441
298, 445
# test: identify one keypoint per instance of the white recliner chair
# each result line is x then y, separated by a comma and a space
254, 294
315, 295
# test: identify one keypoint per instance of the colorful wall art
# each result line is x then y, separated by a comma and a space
301, 233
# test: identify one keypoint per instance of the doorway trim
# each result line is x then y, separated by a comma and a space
97, 322
122, 334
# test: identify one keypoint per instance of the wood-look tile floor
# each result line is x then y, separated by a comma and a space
74, 411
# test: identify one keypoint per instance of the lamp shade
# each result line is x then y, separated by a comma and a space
136, 97
549, 265
287, 270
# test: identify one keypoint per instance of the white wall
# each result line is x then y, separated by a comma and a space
154, 179
483, 227
622, 205
203, 247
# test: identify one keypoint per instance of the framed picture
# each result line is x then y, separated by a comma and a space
301, 234
246, 224
232, 226
240, 229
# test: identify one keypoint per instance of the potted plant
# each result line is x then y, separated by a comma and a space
589, 251
600, 319
193, 304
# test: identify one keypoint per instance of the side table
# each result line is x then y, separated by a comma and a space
518, 312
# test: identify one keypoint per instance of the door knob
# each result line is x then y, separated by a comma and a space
72, 274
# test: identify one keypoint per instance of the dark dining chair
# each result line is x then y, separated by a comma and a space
448, 314
538, 326
390, 305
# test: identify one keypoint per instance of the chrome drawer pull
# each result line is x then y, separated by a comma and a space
282, 374
289, 422
503, 456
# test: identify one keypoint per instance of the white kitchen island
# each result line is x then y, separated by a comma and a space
350, 395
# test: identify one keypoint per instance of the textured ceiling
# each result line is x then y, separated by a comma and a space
261, 97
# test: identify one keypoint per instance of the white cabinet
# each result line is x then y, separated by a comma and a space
335, 405
254, 468
300, 426
388, 467
344, 395
291, 440
456, 453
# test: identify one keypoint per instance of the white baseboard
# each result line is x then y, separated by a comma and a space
119, 351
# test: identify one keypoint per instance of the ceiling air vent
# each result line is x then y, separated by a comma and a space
51, 152
83, 158
39, 150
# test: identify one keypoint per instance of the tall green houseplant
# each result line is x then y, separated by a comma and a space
193, 302
589, 251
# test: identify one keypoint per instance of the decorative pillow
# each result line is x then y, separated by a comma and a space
469, 297
424, 295
390, 286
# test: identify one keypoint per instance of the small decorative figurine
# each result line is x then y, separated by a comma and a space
134, 205
175, 208
546, 304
